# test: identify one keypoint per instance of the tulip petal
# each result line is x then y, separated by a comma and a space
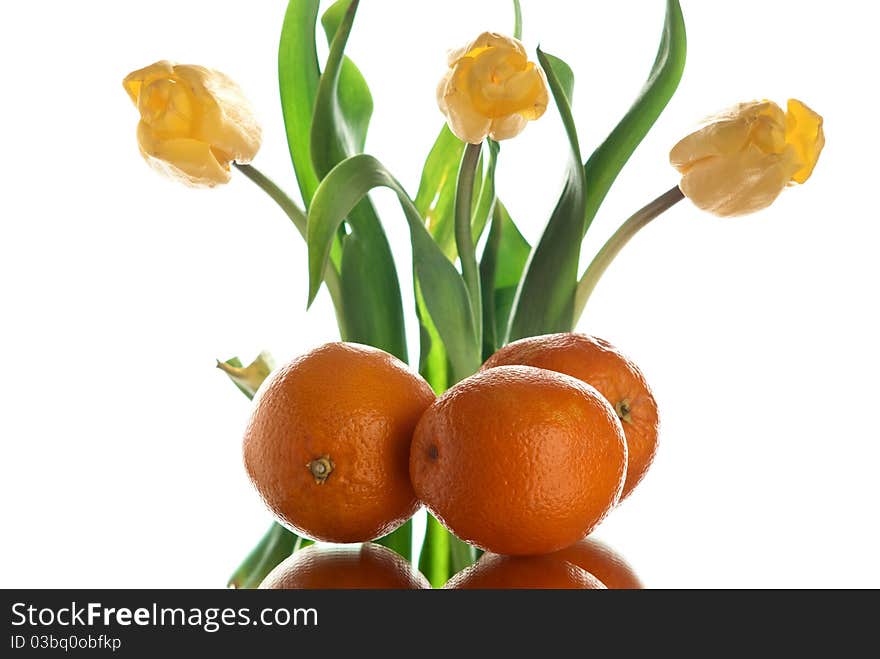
491, 88
134, 81
187, 160
746, 156
489, 40
739, 183
540, 96
466, 123
507, 127
803, 130
194, 121
227, 120
726, 132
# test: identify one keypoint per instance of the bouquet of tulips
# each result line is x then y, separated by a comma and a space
518, 435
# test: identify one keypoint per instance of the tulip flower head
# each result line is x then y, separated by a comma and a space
194, 122
742, 159
491, 89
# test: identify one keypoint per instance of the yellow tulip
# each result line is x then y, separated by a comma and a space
194, 122
491, 89
743, 158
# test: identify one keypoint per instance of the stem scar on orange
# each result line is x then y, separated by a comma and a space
528, 572
519, 460
327, 446
351, 566
617, 378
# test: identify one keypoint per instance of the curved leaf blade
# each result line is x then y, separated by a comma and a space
608, 159
501, 267
343, 103
545, 299
435, 198
277, 544
248, 378
370, 289
435, 201
298, 76
433, 360
445, 296
354, 97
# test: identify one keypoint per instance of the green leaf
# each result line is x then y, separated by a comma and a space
442, 287
298, 76
545, 300
564, 76
462, 554
370, 288
433, 360
249, 378
276, 545
464, 239
501, 267
399, 540
342, 107
435, 202
436, 196
609, 158
355, 102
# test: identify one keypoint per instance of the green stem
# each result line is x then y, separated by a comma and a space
443, 554
464, 237
267, 185
435, 559
300, 221
517, 20
276, 545
612, 248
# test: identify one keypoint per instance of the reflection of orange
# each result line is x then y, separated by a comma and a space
494, 571
519, 460
327, 446
600, 364
351, 566
602, 562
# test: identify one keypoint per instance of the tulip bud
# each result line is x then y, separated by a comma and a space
491, 89
194, 122
743, 158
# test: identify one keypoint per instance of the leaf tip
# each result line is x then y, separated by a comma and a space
313, 292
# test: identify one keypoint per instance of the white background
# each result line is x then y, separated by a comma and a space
120, 441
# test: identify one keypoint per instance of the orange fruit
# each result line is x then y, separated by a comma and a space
602, 562
618, 379
351, 566
534, 572
519, 460
327, 446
